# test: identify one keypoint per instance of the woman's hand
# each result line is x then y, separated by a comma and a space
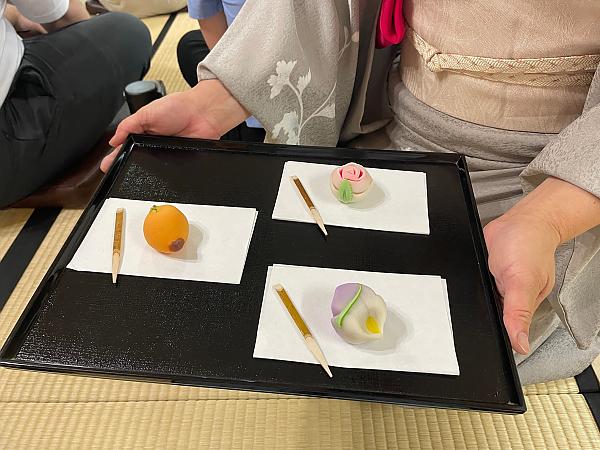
521, 258
206, 111
522, 243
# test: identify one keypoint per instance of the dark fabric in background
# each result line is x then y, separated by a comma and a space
67, 90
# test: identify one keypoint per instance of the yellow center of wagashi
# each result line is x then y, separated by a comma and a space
372, 325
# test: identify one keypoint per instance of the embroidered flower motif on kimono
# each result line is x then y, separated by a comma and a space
289, 125
282, 77
293, 122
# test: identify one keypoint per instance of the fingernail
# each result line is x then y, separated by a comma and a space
523, 341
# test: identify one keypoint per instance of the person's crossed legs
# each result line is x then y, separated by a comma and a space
65, 93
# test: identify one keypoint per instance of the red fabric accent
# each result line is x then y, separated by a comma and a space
390, 28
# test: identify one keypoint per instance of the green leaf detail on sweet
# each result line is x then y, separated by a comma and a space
345, 193
346, 310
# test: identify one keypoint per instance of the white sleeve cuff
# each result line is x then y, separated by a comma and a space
42, 11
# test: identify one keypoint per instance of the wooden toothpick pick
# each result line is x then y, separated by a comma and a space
309, 203
309, 340
117, 243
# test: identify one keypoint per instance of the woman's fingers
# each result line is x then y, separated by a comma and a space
134, 124
108, 160
205, 111
130, 125
119, 137
519, 306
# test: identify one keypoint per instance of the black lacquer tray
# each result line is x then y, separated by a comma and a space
203, 334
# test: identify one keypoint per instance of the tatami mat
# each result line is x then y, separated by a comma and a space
164, 63
155, 25
566, 386
554, 422
11, 223
44, 410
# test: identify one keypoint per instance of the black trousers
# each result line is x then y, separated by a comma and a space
66, 92
192, 49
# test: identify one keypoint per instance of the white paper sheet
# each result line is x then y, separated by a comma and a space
216, 249
397, 201
417, 333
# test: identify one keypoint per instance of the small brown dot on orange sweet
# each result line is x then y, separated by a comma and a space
176, 245
166, 228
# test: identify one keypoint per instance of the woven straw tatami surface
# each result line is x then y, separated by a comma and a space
164, 63
155, 25
11, 222
556, 421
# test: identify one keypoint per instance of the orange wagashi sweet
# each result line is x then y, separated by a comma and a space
166, 228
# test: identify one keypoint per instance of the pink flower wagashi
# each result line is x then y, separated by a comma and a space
358, 313
350, 183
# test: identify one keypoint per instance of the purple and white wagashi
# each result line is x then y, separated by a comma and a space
358, 313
